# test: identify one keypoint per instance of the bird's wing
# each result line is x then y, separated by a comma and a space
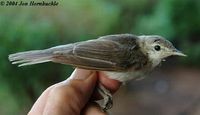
108, 53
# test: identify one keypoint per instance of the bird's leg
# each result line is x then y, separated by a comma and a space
107, 96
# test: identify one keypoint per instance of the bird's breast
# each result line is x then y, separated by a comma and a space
124, 76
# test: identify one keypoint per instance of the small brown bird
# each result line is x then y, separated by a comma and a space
122, 57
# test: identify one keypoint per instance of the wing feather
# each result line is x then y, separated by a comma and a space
111, 53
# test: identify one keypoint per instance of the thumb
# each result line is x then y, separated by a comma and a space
70, 96
83, 84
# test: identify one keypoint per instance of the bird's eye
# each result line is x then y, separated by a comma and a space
157, 48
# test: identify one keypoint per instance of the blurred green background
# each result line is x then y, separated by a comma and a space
175, 84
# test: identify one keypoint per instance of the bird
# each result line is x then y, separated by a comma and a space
121, 57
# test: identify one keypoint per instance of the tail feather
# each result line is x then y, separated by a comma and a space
30, 57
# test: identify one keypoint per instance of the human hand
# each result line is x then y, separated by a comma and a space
72, 96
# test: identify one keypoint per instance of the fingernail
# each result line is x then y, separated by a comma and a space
80, 74
91, 77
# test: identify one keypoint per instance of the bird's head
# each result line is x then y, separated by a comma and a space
158, 48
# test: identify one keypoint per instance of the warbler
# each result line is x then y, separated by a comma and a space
121, 57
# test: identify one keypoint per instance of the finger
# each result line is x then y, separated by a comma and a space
110, 84
93, 108
80, 74
70, 97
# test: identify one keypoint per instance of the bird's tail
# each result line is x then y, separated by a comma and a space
30, 57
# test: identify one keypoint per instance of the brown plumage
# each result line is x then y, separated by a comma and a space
108, 53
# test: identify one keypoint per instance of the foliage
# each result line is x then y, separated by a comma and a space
28, 28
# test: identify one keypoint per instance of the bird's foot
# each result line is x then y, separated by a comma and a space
107, 96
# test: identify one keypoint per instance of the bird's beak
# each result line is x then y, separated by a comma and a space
178, 53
